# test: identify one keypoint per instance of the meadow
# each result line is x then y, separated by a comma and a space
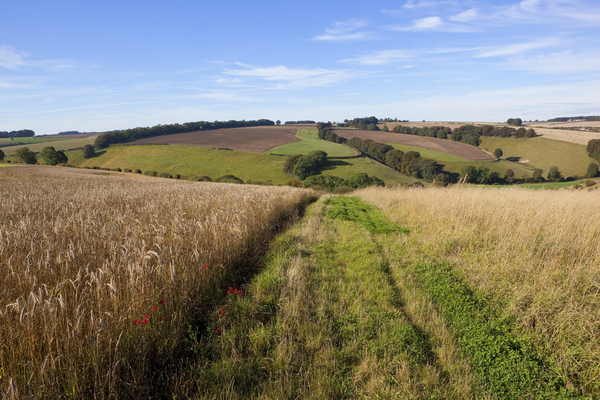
309, 142
28, 140
110, 283
36, 146
570, 158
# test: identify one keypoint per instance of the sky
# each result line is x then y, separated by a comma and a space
94, 66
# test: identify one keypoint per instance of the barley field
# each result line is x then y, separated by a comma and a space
106, 281
535, 255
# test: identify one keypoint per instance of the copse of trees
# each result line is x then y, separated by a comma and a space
409, 163
555, 175
593, 148
14, 134
303, 166
363, 124
26, 155
325, 133
514, 121
439, 132
113, 137
50, 156
89, 151
592, 170
299, 122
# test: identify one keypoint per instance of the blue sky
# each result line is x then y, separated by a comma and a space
102, 65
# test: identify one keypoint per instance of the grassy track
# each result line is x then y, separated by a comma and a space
58, 145
193, 161
311, 142
570, 158
454, 163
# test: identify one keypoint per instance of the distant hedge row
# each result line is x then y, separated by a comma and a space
106, 139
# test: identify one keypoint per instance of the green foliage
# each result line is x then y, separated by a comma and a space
592, 170
555, 175
176, 176
353, 209
509, 365
165, 175
593, 148
203, 178
514, 121
509, 176
498, 153
1, 155
137, 171
48, 155
313, 139
325, 182
150, 173
362, 180
229, 179
89, 151
309, 164
441, 180
482, 175
61, 157
26, 155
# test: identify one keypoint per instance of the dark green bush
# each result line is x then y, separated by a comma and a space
150, 173
176, 176
126, 170
202, 178
137, 171
229, 179
165, 175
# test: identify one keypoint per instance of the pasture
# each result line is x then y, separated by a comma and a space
256, 139
445, 146
66, 144
570, 158
31, 140
109, 284
309, 142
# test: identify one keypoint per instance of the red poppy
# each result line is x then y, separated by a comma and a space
217, 331
155, 308
144, 321
206, 266
137, 321
146, 316
222, 311
223, 261
161, 302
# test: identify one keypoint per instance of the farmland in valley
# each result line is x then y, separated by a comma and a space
445, 146
66, 142
256, 139
310, 142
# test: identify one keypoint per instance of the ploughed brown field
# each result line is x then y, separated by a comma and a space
446, 146
74, 136
255, 139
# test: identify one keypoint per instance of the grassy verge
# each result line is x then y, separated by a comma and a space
570, 158
311, 142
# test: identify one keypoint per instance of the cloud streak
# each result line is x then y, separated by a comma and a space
345, 30
382, 57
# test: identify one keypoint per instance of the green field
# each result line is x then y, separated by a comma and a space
28, 140
60, 144
7, 165
454, 164
193, 161
311, 142
570, 158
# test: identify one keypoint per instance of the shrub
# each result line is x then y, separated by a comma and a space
592, 170
203, 178
137, 171
593, 148
537, 175
176, 176
441, 180
1, 155
295, 183
26, 155
150, 173
165, 175
589, 183
361, 180
89, 151
126, 170
229, 179
290, 162
498, 153
509, 176
48, 155
119, 170
555, 175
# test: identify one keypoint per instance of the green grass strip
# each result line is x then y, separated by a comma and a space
353, 209
509, 365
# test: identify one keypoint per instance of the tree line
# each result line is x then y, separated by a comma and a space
49, 156
106, 139
14, 134
564, 119
298, 122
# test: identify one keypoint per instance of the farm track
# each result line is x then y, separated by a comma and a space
255, 139
471, 153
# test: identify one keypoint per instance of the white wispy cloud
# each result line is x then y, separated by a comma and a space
10, 58
382, 57
293, 77
345, 30
559, 62
465, 16
517, 48
427, 3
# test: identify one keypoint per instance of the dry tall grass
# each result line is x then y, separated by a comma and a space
534, 253
82, 257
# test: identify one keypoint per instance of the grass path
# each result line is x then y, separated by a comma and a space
339, 312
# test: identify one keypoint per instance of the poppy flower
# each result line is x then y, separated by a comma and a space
217, 331
222, 311
137, 321
144, 321
161, 302
206, 266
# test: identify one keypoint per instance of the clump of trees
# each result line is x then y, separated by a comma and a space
25, 155
14, 134
363, 124
299, 122
303, 166
409, 163
555, 175
592, 170
50, 156
325, 133
1, 155
439, 132
335, 183
127, 135
564, 119
89, 151
514, 121
593, 148
482, 175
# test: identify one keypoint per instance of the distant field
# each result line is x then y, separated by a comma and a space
446, 146
415, 124
58, 145
349, 167
255, 139
310, 142
571, 159
454, 163
577, 137
28, 140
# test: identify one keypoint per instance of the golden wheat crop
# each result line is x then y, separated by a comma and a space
98, 274
535, 254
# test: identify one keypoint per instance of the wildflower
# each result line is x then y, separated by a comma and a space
161, 302
203, 344
214, 261
217, 331
164, 318
146, 316
144, 321
223, 271
258, 263
205, 266
222, 311
223, 303
155, 308
137, 321
223, 262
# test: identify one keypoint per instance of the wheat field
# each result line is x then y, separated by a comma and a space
534, 254
103, 276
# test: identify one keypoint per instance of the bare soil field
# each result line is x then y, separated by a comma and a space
446, 146
255, 139
416, 124
74, 136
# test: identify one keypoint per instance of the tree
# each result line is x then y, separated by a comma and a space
61, 157
89, 151
441, 180
278, 122
498, 153
592, 170
290, 162
385, 128
530, 133
537, 175
1, 155
554, 174
509, 176
514, 121
26, 155
48, 155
